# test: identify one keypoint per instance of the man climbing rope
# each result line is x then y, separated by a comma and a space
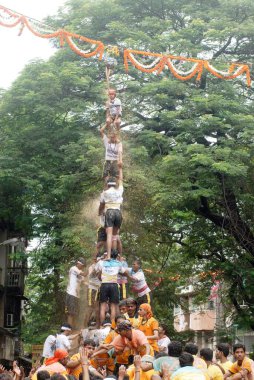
113, 110
110, 203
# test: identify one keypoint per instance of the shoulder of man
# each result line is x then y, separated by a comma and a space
75, 356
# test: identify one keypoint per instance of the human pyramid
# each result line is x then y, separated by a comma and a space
122, 337
109, 273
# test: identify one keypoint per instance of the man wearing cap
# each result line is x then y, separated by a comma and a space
110, 203
62, 341
76, 276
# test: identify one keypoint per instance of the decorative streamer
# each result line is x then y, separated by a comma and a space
159, 62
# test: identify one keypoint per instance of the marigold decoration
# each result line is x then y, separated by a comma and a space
159, 62
11, 20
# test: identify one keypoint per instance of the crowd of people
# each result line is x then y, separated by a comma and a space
122, 339
126, 354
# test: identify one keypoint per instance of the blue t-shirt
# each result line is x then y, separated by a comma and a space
170, 360
188, 373
109, 270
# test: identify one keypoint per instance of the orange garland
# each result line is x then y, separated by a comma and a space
201, 65
165, 60
62, 34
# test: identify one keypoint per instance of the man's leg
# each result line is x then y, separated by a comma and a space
103, 308
109, 241
114, 311
114, 238
117, 122
71, 308
119, 245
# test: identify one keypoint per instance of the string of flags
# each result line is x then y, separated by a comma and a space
181, 67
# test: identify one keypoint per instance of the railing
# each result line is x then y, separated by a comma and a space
15, 277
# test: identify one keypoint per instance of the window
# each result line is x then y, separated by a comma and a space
9, 320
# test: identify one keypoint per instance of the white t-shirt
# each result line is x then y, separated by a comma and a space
109, 270
112, 197
62, 342
163, 343
112, 150
75, 279
115, 107
49, 346
93, 280
102, 333
140, 286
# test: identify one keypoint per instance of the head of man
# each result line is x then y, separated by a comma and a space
90, 345
206, 354
92, 325
186, 359
145, 311
123, 307
111, 182
119, 319
80, 263
131, 307
136, 265
113, 138
43, 375
222, 351
124, 329
57, 376
162, 330
175, 349
60, 356
191, 348
66, 329
114, 254
239, 352
112, 93
5, 376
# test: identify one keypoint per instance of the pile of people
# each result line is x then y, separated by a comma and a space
109, 273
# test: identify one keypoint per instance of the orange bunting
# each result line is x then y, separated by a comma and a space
10, 19
161, 61
61, 34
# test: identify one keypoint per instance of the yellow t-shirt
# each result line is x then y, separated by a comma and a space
148, 328
226, 366
199, 363
143, 375
76, 370
214, 372
134, 321
120, 358
246, 364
